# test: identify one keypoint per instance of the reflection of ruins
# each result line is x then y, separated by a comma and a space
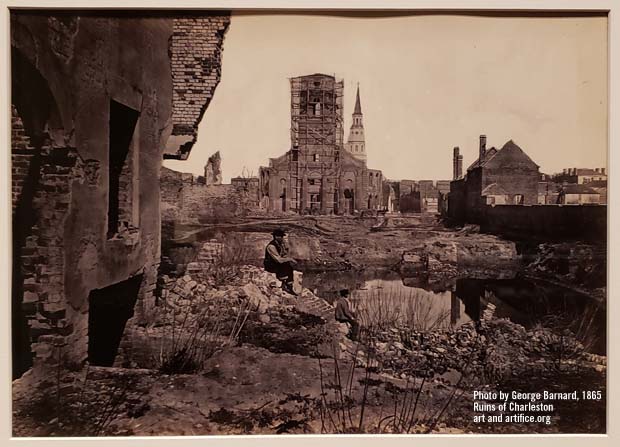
528, 303
320, 173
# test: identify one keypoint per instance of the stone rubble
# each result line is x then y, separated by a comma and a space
485, 345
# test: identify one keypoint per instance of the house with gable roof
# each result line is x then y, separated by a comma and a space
505, 176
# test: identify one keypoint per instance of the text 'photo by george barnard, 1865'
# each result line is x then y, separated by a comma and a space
308, 222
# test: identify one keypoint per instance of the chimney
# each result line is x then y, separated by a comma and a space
483, 149
603, 171
564, 171
457, 164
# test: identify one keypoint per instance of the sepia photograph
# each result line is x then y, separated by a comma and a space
236, 222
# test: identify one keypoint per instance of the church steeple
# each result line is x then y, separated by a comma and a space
358, 106
356, 144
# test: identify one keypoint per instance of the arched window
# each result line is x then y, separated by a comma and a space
317, 109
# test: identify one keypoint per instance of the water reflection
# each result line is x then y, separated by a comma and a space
383, 297
388, 296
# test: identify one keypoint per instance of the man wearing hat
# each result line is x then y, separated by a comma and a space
278, 262
344, 314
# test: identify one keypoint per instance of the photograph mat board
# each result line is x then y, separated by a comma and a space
349, 89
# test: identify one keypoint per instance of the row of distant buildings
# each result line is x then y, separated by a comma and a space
323, 174
502, 190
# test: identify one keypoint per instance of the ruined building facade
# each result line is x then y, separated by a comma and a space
213, 170
318, 175
507, 176
97, 101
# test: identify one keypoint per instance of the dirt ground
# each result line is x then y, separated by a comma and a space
291, 371
289, 368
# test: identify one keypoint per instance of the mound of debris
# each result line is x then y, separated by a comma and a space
198, 316
493, 349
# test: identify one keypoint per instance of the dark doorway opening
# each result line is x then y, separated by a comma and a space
349, 201
109, 310
283, 200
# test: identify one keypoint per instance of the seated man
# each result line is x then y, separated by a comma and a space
278, 262
344, 314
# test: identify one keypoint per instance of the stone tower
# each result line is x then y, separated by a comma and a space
356, 144
316, 141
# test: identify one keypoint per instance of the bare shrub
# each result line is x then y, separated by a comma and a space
189, 334
234, 254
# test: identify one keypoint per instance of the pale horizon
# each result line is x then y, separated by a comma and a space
427, 83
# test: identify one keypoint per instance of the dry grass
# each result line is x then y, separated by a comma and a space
401, 410
383, 309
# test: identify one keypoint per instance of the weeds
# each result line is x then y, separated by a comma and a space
234, 253
193, 333
344, 409
381, 310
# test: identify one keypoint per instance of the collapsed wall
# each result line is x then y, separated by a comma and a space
196, 47
95, 100
186, 199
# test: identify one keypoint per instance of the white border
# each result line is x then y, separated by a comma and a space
367, 440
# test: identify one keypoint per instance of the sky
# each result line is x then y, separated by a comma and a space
427, 83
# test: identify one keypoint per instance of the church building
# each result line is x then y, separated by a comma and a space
321, 174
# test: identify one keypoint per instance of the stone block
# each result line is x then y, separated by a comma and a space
30, 297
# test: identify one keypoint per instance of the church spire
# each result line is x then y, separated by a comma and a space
358, 106
356, 144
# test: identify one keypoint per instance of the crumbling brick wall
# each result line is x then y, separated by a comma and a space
196, 57
185, 199
67, 70
215, 202
22, 152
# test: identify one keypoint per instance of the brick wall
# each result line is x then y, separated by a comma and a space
216, 201
196, 57
22, 152
186, 200
171, 184
43, 260
63, 89
514, 181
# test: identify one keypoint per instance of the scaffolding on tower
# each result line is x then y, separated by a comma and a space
317, 130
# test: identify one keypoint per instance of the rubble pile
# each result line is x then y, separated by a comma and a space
491, 350
282, 323
198, 317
